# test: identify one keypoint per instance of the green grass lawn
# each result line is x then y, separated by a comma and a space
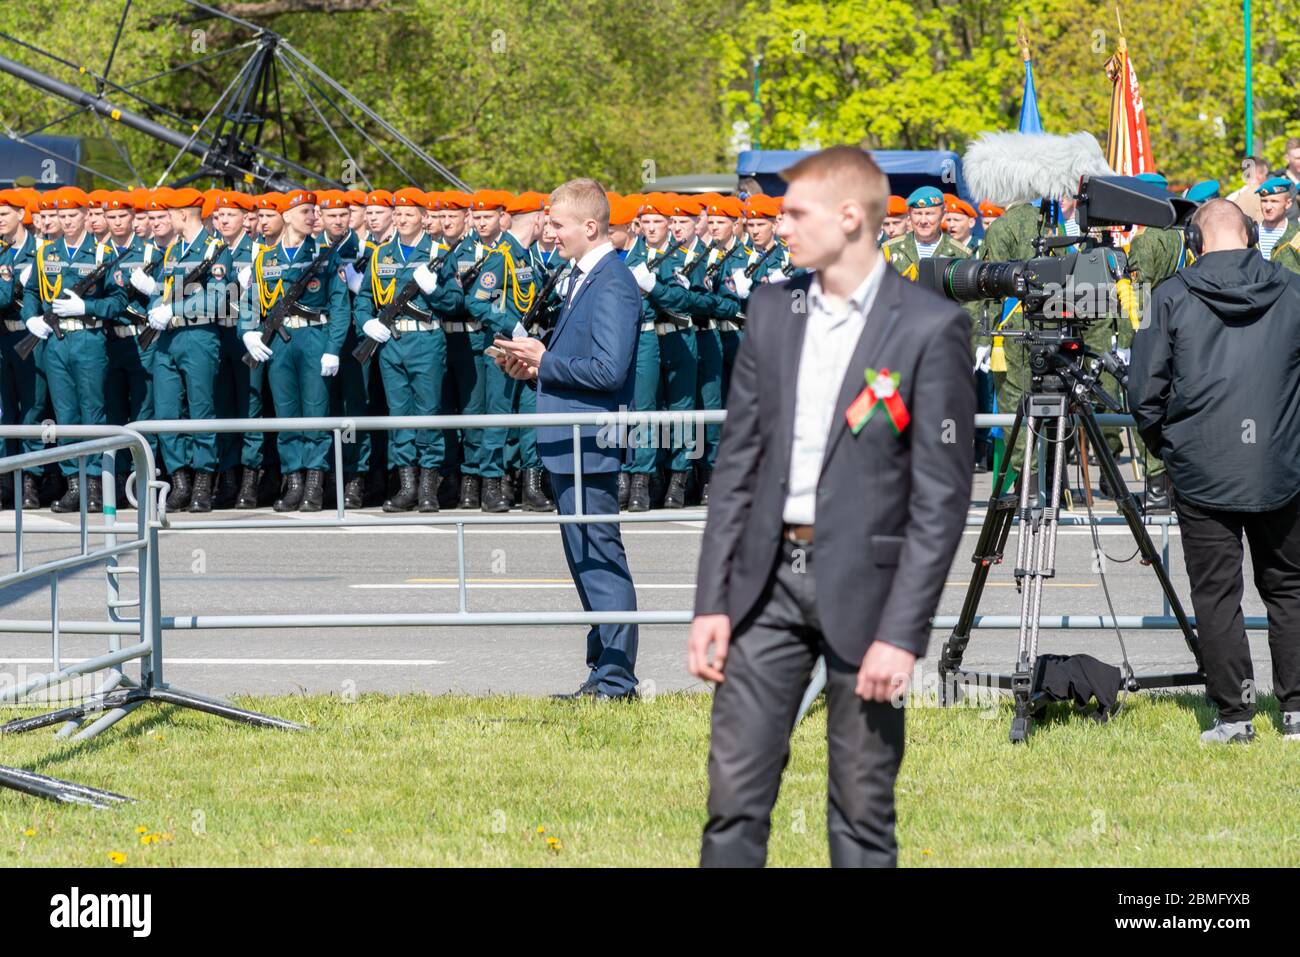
421, 780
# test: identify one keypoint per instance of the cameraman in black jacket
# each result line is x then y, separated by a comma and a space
1214, 386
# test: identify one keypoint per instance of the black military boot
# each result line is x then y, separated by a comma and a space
201, 497
250, 480
7, 490
509, 487
706, 476
179, 496
535, 497
1159, 498
623, 486
494, 498
638, 492
31, 494
314, 491
71, 500
227, 490
94, 494
354, 492
51, 485
291, 494
675, 497
430, 479
469, 491
403, 500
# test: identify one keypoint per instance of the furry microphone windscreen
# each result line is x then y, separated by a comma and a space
1007, 168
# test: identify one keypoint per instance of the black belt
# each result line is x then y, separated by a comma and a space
410, 312
302, 312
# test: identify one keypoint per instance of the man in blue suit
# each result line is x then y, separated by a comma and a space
587, 367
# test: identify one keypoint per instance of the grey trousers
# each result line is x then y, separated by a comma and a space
768, 667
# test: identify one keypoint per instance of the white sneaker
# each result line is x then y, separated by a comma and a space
1229, 732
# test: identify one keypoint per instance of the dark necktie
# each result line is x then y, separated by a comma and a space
573, 285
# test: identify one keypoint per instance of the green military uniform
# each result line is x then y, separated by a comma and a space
1287, 250
239, 388
23, 390
128, 389
703, 267
75, 366
188, 352
350, 392
645, 395
521, 451
904, 256
317, 324
413, 365
498, 299
466, 381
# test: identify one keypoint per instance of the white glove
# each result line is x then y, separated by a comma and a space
245, 276
982, 356
69, 304
37, 327
742, 283
1124, 354
353, 278
329, 365
376, 330
24, 274
425, 279
256, 348
643, 277
142, 281
160, 316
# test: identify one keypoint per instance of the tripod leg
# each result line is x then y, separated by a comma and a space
1026, 565
988, 552
1128, 508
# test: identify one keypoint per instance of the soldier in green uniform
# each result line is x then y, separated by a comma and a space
128, 389
413, 363
316, 323
724, 214
647, 250
1277, 233
23, 391
466, 384
350, 389
75, 366
188, 350
498, 298
927, 238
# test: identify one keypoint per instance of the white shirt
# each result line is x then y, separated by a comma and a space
829, 341
587, 263
926, 250
1268, 238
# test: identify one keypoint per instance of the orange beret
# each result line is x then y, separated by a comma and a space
489, 199
955, 204
379, 197
433, 200
621, 210
271, 201
299, 197
235, 200
70, 197
660, 204
726, 206
355, 197
10, 197
762, 206
95, 198
332, 199
116, 200
526, 202
988, 209
184, 198
686, 206
897, 206
408, 196
455, 199
140, 199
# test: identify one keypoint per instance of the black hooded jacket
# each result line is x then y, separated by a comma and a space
1214, 381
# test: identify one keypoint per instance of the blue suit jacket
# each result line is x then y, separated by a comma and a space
588, 367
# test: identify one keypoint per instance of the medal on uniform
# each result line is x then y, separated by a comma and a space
881, 390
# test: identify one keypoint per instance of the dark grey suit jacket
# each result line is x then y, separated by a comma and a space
890, 508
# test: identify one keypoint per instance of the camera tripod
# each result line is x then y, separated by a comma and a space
1060, 395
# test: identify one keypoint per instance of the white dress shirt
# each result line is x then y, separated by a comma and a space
830, 339
586, 264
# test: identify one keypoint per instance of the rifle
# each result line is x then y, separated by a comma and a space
273, 324
711, 272
469, 275
82, 286
199, 274
757, 263
388, 317
539, 310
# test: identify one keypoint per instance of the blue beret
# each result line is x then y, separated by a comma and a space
1205, 189
1278, 184
925, 196
1155, 178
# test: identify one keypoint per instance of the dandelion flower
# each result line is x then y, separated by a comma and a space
117, 857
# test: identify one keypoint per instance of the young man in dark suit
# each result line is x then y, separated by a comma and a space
838, 500
586, 366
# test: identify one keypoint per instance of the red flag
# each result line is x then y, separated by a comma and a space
1128, 144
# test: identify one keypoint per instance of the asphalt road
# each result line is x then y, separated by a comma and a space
512, 568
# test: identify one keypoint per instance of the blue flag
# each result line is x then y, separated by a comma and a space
1030, 121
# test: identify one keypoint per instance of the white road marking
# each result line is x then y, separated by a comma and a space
170, 660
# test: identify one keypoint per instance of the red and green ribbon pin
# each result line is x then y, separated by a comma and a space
881, 390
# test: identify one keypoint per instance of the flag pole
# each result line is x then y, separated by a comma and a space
1250, 88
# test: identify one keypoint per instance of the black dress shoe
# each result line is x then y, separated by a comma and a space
469, 492
291, 497
585, 690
